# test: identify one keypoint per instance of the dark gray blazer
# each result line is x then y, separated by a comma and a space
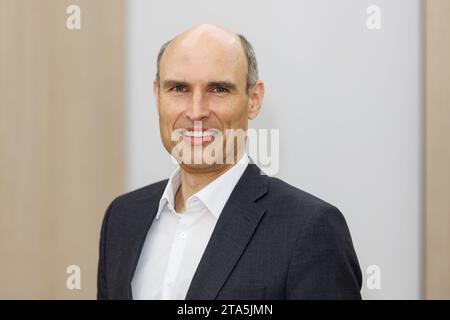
272, 241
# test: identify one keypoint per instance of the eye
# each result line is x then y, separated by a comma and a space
179, 88
219, 90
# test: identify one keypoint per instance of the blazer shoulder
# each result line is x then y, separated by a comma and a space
124, 202
122, 205
305, 213
289, 195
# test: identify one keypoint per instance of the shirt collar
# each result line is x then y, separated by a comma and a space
214, 195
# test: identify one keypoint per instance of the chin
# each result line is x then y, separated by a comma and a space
200, 167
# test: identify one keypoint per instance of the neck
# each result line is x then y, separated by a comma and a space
193, 181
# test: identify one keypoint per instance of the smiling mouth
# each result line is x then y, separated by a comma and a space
199, 137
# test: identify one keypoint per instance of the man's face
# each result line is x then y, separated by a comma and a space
203, 82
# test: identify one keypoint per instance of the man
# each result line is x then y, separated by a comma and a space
220, 229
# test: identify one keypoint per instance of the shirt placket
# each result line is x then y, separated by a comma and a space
175, 258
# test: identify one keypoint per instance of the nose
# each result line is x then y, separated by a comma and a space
197, 108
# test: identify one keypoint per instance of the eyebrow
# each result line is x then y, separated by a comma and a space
173, 83
225, 84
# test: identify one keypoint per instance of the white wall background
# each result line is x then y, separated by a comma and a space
347, 101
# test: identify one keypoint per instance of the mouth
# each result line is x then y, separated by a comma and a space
199, 137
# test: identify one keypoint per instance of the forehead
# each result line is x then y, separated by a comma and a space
204, 57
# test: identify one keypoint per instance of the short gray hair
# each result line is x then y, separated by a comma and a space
252, 72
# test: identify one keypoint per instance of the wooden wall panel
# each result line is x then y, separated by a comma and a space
437, 149
61, 141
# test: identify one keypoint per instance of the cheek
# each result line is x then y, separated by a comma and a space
169, 112
232, 112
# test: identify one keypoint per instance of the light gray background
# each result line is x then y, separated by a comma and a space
347, 101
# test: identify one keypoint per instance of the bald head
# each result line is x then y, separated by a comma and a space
209, 42
210, 33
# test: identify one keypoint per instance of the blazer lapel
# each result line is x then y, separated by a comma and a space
236, 225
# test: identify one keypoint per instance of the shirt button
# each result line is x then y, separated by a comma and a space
182, 235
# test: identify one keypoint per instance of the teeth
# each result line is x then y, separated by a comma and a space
198, 134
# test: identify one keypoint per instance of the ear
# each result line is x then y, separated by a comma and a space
256, 99
156, 94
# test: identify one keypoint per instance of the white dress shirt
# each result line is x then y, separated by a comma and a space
176, 241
